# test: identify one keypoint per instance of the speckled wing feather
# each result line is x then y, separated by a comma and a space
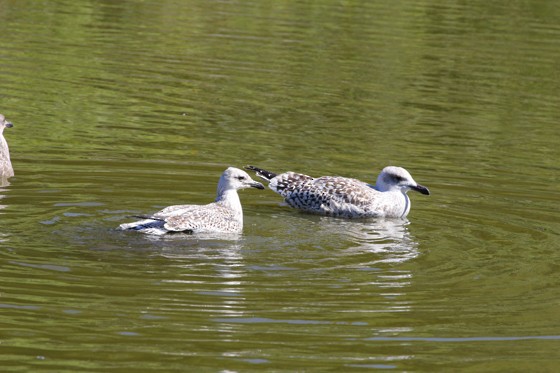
327, 195
213, 217
175, 210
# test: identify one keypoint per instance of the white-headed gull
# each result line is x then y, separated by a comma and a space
224, 215
344, 197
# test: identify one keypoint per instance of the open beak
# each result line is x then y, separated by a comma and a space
422, 189
256, 184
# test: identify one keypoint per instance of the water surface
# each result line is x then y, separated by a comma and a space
121, 108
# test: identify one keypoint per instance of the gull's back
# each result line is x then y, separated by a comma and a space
330, 195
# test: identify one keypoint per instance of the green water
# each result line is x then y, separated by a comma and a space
121, 108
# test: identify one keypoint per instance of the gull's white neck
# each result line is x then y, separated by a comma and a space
406, 205
229, 198
398, 200
4, 150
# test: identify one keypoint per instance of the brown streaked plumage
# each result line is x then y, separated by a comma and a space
345, 197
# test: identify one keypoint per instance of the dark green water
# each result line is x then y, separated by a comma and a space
121, 108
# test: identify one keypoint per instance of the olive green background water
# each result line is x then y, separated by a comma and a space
124, 107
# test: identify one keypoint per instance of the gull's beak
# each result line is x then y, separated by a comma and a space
256, 184
422, 189
8, 125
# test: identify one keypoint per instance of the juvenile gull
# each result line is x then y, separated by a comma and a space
224, 215
6, 169
344, 197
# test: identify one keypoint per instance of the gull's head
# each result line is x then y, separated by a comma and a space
4, 123
394, 178
234, 178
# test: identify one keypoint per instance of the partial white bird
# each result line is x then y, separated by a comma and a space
344, 197
6, 169
224, 215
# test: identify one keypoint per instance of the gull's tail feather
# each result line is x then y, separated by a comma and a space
263, 174
145, 225
146, 217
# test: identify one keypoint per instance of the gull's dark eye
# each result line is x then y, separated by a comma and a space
241, 178
398, 178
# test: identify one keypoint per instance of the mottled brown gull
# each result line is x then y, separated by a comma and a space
344, 197
224, 215
6, 169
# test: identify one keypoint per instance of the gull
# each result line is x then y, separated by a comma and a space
224, 215
344, 197
6, 169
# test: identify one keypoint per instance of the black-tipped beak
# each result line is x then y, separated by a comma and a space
257, 185
8, 125
422, 189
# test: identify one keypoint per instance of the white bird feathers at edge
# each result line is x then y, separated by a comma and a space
224, 215
6, 169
